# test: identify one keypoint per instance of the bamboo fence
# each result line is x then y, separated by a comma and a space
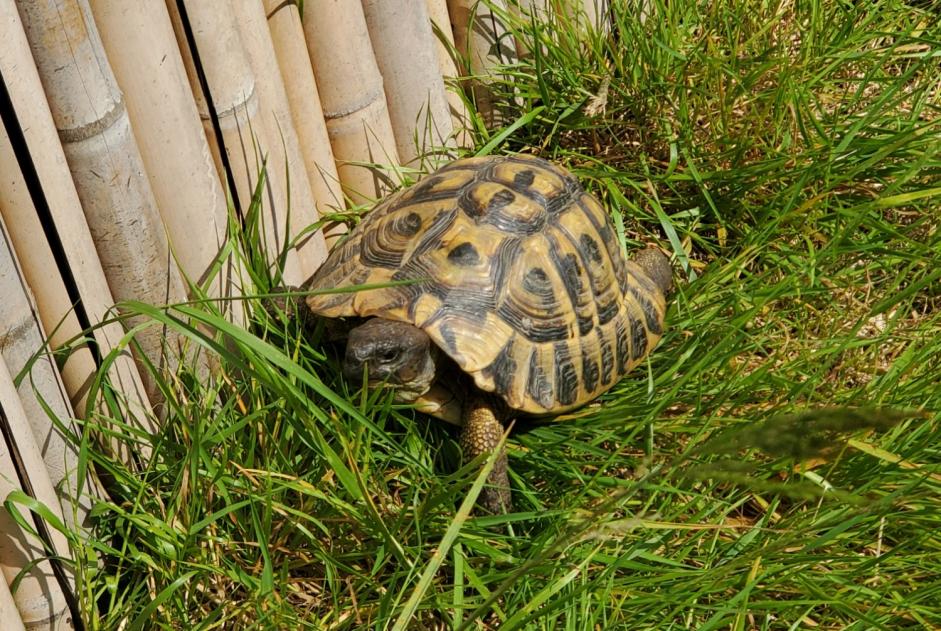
133, 133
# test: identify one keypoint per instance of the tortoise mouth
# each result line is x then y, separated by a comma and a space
408, 387
405, 391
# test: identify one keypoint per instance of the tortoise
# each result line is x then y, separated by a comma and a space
517, 299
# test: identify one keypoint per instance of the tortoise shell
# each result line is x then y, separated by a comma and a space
513, 270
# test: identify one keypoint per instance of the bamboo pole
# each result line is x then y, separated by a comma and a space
444, 45
106, 164
55, 303
483, 44
22, 336
276, 116
287, 35
234, 104
38, 597
142, 49
595, 13
248, 134
8, 613
351, 92
404, 43
586, 13
56, 309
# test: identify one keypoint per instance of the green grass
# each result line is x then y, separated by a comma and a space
789, 155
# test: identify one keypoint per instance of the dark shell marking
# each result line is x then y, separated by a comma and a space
517, 276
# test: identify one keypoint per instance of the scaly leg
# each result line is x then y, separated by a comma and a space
480, 434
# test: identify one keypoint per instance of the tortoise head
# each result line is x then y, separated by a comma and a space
391, 353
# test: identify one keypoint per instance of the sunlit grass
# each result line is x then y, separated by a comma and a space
788, 154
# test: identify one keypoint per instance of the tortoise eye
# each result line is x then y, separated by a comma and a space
388, 355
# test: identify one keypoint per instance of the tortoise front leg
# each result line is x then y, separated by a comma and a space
480, 434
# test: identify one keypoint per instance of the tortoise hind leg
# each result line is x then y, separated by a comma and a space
480, 434
657, 267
